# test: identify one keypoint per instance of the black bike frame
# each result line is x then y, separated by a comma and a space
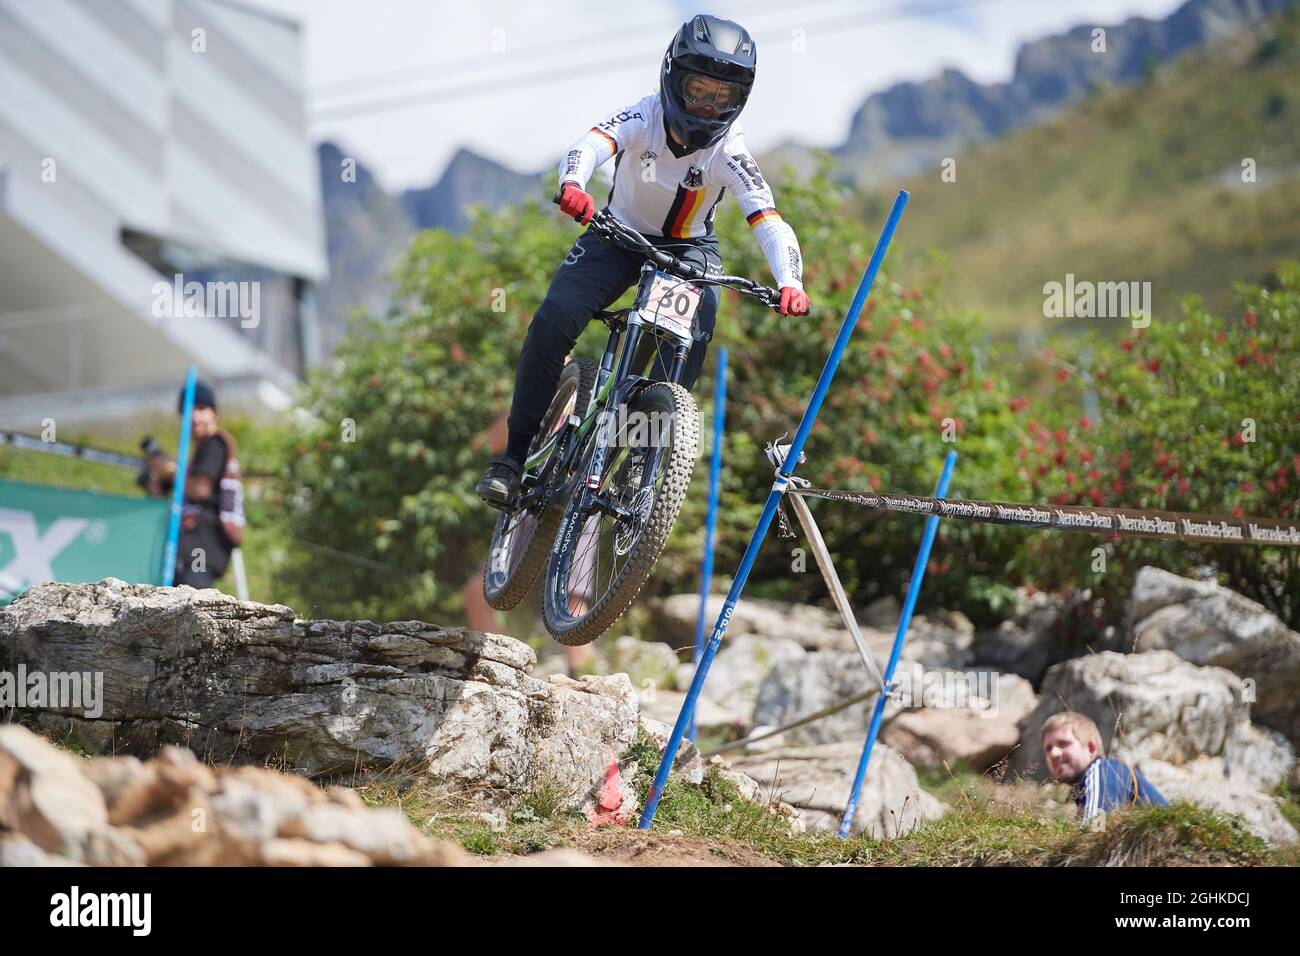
614, 387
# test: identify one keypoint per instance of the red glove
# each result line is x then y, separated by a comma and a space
576, 203
793, 301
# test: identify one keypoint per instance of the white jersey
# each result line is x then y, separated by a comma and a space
663, 194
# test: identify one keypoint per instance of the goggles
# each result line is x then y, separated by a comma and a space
709, 96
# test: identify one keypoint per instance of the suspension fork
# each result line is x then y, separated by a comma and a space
616, 394
620, 388
605, 424
609, 399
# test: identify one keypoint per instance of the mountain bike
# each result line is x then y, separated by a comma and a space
606, 475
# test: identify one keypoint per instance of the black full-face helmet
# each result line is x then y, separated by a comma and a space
705, 80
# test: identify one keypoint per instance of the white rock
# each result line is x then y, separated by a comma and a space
51, 803
646, 663
812, 683
710, 718
1208, 624
817, 780
1258, 811
17, 851
741, 666
245, 681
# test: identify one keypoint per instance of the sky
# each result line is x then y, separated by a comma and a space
402, 84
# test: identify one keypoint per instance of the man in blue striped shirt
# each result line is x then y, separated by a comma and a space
1075, 755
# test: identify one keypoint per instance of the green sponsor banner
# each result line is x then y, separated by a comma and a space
61, 534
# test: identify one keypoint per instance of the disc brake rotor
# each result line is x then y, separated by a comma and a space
629, 531
637, 500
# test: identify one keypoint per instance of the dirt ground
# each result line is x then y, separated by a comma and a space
627, 846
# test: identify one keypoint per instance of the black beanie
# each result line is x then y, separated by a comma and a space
203, 395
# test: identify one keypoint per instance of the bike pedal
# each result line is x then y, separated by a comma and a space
493, 503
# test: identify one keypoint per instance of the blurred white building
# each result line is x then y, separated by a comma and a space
141, 140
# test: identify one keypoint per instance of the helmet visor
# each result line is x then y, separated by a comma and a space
710, 97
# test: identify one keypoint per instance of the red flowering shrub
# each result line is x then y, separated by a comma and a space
1198, 414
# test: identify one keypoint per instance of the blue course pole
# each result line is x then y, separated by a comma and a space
904, 621
710, 522
178, 487
779, 485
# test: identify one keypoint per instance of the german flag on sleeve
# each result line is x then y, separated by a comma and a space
609, 139
762, 215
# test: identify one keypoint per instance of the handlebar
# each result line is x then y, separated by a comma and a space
609, 229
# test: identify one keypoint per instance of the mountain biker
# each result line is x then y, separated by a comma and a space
684, 149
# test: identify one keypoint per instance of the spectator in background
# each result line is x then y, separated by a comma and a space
1075, 755
212, 522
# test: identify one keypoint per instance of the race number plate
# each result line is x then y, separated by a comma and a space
673, 302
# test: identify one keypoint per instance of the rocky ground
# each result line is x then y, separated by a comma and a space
235, 733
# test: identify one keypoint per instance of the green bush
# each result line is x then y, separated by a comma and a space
1197, 415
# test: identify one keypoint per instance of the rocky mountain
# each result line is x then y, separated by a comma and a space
899, 130
366, 230
468, 180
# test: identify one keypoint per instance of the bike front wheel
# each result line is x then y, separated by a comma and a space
603, 555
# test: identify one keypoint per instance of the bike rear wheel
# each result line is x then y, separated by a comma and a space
522, 538
600, 560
